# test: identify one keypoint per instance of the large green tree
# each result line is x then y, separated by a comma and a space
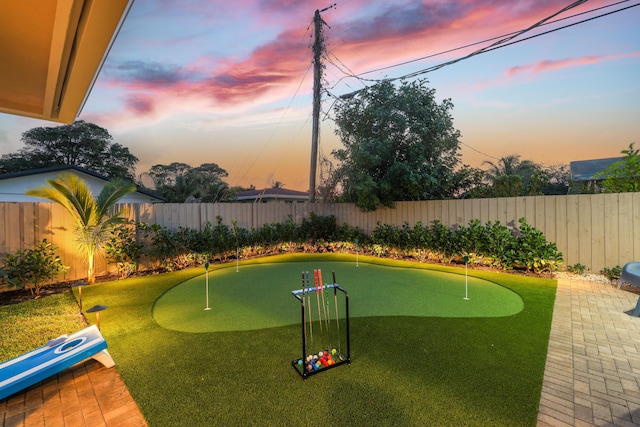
93, 217
179, 182
623, 176
79, 144
399, 144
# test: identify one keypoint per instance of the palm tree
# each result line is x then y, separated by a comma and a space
91, 215
510, 176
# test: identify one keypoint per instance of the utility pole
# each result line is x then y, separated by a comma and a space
318, 48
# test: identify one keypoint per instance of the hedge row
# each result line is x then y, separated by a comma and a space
492, 244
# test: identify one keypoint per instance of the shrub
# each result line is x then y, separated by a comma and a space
316, 227
534, 252
32, 268
612, 273
577, 269
170, 248
492, 244
123, 250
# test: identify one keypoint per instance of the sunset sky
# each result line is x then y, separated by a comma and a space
201, 81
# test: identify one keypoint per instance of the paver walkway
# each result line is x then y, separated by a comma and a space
87, 395
592, 374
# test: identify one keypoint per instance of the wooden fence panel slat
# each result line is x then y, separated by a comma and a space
549, 212
598, 252
510, 211
573, 227
625, 225
611, 238
28, 224
12, 228
635, 233
560, 226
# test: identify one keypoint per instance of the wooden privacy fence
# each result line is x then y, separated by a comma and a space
596, 230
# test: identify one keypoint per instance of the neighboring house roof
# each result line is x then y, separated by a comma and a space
14, 184
52, 52
585, 170
273, 195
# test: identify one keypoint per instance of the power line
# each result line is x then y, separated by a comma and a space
478, 151
498, 46
503, 42
268, 141
255, 160
483, 41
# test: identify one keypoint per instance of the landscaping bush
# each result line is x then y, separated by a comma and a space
534, 252
577, 268
613, 273
493, 244
123, 250
170, 248
32, 268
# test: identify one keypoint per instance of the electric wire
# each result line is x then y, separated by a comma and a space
499, 42
482, 41
502, 42
265, 145
497, 45
267, 142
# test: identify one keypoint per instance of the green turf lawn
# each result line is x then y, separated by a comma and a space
406, 370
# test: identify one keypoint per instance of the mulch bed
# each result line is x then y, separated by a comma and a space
22, 295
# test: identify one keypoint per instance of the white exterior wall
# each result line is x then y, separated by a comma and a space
13, 189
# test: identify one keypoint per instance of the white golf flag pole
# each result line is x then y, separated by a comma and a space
206, 280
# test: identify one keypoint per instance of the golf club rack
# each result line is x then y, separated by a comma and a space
327, 326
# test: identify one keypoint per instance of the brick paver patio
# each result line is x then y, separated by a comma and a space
592, 375
85, 395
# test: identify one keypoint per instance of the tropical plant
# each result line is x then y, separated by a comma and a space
179, 182
32, 268
612, 273
511, 177
577, 268
93, 220
123, 249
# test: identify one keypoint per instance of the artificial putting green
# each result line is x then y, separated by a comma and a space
259, 296
405, 370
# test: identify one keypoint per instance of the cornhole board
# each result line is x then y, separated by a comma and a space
631, 275
58, 355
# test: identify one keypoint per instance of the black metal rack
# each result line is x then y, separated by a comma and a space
302, 365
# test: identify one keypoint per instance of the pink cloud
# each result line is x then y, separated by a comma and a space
554, 65
386, 35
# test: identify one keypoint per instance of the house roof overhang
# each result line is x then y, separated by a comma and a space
51, 53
